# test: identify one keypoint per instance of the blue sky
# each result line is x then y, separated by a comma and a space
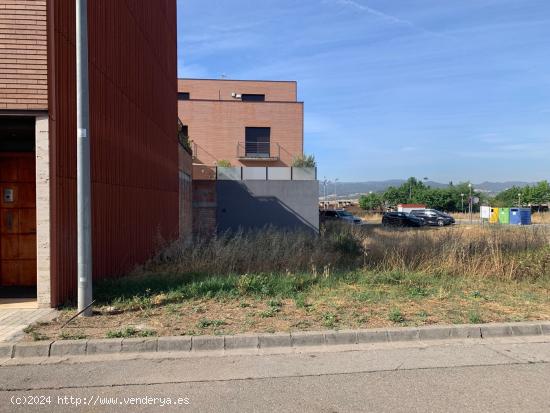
446, 89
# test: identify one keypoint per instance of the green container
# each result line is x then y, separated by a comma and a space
504, 215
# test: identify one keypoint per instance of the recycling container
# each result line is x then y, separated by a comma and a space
504, 215
520, 216
494, 216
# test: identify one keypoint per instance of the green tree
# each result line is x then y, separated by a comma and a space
371, 201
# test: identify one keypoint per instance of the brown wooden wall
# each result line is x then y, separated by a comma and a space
23, 55
133, 134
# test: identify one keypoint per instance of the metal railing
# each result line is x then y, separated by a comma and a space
258, 150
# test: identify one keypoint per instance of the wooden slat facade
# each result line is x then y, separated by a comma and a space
133, 135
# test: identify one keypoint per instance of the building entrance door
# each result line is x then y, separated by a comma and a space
17, 221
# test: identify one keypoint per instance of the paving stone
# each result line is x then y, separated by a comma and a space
6, 350
526, 329
68, 348
139, 345
341, 337
173, 344
203, 343
274, 340
372, 336
34, 349
434, 333
106, 345
403, 334
241, 341
307, 338
465, 332
496, 330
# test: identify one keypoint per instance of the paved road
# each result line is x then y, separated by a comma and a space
506, 375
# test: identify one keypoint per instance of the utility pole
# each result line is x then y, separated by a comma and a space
470, 202
325, 192
462, 201
519, 200
84, 228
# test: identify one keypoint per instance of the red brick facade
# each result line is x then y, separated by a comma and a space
216, 121
23, 55
212, 89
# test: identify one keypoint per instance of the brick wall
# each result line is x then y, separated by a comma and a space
23, 55
222, 89
185, 194
216, 127
204, 207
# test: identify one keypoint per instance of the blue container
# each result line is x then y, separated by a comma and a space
520, 216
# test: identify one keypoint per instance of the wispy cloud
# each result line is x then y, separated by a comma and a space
362, 7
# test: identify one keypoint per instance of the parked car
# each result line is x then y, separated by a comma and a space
433, 217
401, 219
338, 215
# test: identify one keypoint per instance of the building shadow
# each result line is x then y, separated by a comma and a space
239, 208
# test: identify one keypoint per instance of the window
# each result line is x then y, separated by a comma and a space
183, 96
252, 98
257, 142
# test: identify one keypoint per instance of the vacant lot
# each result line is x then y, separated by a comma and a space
349, 277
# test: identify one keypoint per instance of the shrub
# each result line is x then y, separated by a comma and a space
223, 163
304, 161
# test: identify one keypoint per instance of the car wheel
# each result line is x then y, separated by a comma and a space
440, 223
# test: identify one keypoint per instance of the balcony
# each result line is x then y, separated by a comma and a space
258, 151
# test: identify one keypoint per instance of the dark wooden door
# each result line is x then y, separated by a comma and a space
17, 219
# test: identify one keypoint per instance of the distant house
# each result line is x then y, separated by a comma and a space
409, 207
248, 123
257, 128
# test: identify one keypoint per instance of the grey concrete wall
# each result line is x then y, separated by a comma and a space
255, 204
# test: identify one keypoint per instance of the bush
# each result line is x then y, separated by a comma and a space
304, 161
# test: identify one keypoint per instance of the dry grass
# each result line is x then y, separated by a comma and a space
348, 277
499, 252
541, 218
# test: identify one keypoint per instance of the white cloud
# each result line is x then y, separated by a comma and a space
385, 16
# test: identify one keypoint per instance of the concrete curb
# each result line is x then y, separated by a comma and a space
269, 341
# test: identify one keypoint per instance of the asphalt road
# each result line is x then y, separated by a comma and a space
506, 375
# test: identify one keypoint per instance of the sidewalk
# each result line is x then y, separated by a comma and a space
13, 321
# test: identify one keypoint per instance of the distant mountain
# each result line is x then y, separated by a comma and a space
355, 189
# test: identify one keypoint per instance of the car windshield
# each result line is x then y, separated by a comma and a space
344, 214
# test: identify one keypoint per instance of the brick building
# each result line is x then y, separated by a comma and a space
248, 123
139, 176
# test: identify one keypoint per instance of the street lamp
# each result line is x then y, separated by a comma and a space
462, 202
519, 200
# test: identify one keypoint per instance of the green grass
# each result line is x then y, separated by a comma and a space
130, 332
396, 316
65, 335
205, 323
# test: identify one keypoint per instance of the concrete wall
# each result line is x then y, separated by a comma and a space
43, 250
255, 204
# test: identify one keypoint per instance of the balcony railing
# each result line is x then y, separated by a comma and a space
261, 151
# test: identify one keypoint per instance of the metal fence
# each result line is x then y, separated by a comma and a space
258, 150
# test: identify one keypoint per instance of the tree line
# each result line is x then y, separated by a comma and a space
453, 198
